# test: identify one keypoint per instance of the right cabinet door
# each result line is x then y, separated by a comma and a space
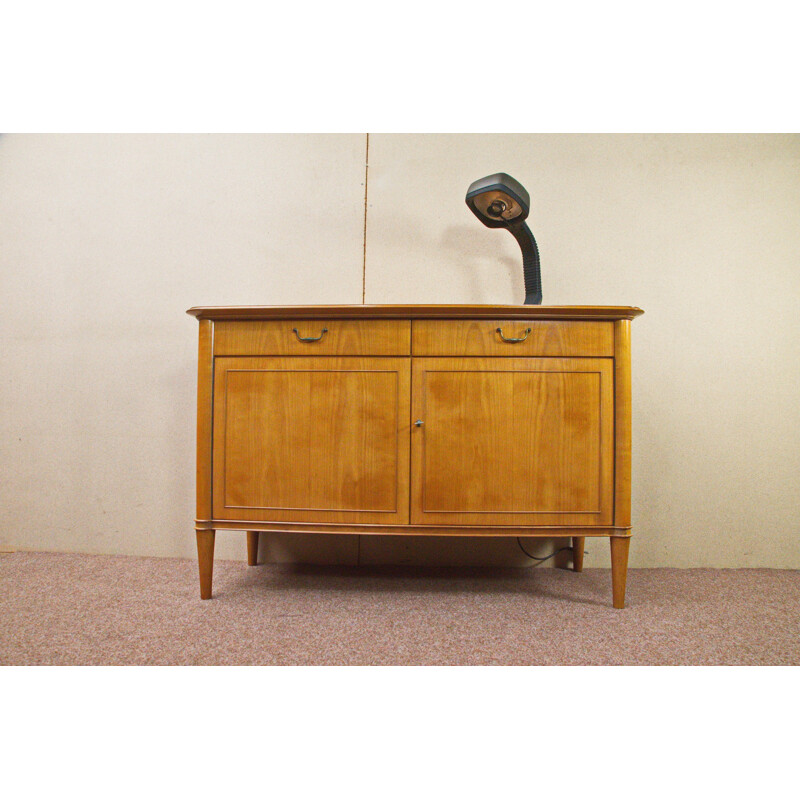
512, 441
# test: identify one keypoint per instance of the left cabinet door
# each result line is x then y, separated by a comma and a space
317, 439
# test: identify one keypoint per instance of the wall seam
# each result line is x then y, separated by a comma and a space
364, 254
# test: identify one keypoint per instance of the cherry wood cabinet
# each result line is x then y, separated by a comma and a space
425, 420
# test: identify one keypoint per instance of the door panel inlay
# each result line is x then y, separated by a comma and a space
318, 437
503, 441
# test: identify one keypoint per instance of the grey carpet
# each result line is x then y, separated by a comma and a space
80, 609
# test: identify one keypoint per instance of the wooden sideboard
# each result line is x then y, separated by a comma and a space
441, 420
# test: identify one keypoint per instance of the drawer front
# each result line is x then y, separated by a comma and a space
336, 337
435, 337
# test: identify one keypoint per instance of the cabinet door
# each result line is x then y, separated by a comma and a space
512, 441
311, 439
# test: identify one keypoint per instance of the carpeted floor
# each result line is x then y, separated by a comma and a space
79, 609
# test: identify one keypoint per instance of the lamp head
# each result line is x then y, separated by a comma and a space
498, 200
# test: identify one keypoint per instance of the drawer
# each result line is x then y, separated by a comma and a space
482, 337
331, 337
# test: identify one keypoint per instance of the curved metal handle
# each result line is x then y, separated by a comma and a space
510, 339
309, 338
419, 423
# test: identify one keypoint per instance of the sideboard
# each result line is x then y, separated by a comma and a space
440, 420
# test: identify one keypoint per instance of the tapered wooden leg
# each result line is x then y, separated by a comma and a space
619, 568
577, 553
252, 548
205, 561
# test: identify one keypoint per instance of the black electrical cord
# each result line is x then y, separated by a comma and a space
535, 558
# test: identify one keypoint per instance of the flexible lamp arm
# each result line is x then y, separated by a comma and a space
530, 262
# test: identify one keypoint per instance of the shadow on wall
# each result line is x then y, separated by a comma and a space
469, 248
459, 551
470, 262
181, 383
411, 551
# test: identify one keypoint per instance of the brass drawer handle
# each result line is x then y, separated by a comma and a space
510, 339
309, 338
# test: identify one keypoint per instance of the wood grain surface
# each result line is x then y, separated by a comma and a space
415, 312
311, 439
485, 338
622, 422
512, 441
205, 390
341, 337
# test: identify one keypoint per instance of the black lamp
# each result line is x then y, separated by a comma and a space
499, 201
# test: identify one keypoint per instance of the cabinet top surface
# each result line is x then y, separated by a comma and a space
415, 312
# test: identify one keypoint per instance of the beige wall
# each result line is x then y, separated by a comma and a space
106, 240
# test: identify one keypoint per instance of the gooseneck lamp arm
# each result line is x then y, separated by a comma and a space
530, 262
